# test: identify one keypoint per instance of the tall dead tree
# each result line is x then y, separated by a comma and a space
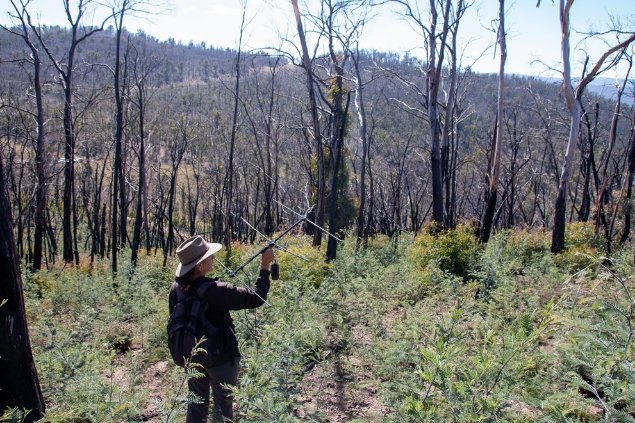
79, 33
23, 19
118, 184
573, 98
435, 24
629, 184
177, 148
229, 176
19, 383
603, 196
435, 64
342, 27
142, 69
362, 233
267, 139
494, 173
317, 134
588, 167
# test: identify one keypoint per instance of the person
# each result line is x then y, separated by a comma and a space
196, 260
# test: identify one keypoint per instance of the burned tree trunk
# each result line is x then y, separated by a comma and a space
493, 177
19, 384
39, 206
574, 105
629, 187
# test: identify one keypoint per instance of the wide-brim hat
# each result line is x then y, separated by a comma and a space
192, 251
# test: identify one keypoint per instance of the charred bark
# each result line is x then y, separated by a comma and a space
19, 383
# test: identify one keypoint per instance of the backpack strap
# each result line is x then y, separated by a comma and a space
201, 289
180, 295
199, 292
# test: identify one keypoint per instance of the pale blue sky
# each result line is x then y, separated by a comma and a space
533, 33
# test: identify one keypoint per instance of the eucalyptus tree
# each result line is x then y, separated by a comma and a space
573, 100
229, 176
434, 23
144, 65
23, 30
339, 25
119, 9
118, 186
588, 166
316, 132
19, 383
364, 213
266, 124
494, 168
450, 130
79, 32
629, 183
342, 23
603, 194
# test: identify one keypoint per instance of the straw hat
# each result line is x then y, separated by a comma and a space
192, 251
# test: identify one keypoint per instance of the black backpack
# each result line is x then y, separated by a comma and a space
188, 324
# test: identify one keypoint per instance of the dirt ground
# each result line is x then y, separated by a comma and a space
339, 387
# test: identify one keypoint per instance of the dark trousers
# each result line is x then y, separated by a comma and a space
223, 374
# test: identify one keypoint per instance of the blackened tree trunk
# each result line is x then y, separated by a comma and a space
41, 191
449, 120
69, 217
587, 164
362, 234
604, 194
435, 28
629, 187
19, 383
435, 63
117, 171
493, 177
336, 159
136, 232
573, 101
121, 100
141, 71
177, 150
337, 128
24, 20
229, 177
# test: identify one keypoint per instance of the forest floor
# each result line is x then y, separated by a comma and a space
434, 328
340, 387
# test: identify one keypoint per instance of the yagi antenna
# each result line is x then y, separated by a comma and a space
305, 218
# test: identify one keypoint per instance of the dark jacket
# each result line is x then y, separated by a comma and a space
220, 298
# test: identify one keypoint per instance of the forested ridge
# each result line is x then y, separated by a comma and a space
465, 252
188, 121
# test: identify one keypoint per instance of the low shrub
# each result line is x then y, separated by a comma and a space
528, 246
582, 234
119, 336
455, 251
310, 270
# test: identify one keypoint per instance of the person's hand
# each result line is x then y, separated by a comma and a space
266, 258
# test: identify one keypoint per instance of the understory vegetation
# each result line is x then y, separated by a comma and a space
432, 327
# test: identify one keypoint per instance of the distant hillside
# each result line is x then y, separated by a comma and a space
603, 87
195, 63
190, 98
